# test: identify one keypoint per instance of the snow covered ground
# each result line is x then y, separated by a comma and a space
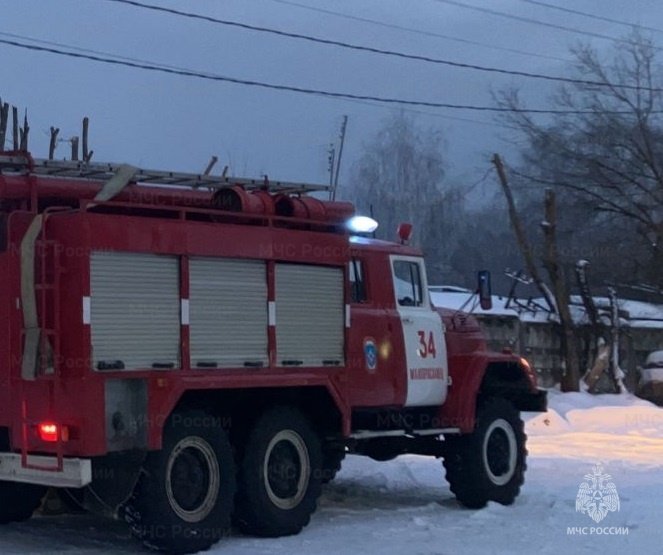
405, 507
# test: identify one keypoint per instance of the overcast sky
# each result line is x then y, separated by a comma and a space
174, 122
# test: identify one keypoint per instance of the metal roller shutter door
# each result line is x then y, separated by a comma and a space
309, 315
135, 309
228, 312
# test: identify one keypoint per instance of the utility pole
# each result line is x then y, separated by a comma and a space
559, 301
571, 375
331, 167
338, 159
521, 237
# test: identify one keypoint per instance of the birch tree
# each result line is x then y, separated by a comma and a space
400, 176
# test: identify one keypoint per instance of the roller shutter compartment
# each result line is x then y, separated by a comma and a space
309, 315
228, 313
134, 311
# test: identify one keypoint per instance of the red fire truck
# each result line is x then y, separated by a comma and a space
189, 352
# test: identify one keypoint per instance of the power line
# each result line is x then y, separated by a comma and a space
374, 50
82, 49
591, 15
434, 114
363, 102
418, 31
149, 66
527, 20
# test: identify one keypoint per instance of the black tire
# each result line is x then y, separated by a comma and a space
184, 498
489, 464
280, 474
332, 458
19, 501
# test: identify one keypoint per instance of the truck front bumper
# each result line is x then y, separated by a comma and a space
41, 470
534, 402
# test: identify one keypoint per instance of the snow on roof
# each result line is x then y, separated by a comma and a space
639, 314
456, 300
636, 314
637, 310
448, 289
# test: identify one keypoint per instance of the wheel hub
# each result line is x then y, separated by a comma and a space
500, 452
192, 479
498, 447
286, 469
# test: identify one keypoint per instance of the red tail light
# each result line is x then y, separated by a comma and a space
50, 432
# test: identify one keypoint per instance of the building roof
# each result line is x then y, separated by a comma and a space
634, 314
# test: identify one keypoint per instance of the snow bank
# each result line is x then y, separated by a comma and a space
564, 402
547, 423
640, 420
582, 413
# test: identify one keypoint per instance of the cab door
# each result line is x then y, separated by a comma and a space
372, 346
423, 334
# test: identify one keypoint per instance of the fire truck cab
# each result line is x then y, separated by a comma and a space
185, 351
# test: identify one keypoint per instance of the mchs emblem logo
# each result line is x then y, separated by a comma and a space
370, 354
597, 496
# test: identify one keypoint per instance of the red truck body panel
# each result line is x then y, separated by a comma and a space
182, 224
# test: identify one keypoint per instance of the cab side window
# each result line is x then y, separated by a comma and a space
357, 281
407, 280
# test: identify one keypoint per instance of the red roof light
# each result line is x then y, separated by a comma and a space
405, 232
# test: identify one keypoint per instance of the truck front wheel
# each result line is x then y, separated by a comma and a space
19, 501
280, 474
184, 497
332, 459
489, 464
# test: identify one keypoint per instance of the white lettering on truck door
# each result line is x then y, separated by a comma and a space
423, 334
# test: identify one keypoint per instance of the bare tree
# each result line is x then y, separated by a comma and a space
607, 150
400, 177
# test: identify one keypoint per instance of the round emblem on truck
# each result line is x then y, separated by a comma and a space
370, 354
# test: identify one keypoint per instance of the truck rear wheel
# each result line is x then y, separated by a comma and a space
280, 474
184, 497
489, 464
19, 501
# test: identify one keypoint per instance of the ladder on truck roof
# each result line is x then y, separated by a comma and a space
19, 163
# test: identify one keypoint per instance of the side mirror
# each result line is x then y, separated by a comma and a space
484, 290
